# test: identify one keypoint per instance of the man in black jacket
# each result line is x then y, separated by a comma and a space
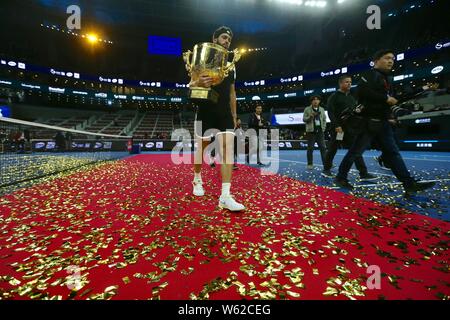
375, 94
256, 121
337, 102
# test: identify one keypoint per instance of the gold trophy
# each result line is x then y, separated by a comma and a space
212, 60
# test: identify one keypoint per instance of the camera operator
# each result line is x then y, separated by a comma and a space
375, 94
337, 102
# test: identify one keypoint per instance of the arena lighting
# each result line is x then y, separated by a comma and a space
294, 2
309, 3
92, 38
319, 4
245, 50
55, 28
294, 80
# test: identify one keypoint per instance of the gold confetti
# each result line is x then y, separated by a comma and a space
293, 294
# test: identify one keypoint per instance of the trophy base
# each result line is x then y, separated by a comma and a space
203, 94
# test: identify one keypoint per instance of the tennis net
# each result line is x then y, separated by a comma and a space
30, 150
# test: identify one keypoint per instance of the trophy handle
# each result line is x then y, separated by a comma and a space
236, 57
187, 60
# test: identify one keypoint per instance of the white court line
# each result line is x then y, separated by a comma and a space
405, 158
425, 154
394, 183
342, 153
320, 165
426, 160
446, 157
414, 159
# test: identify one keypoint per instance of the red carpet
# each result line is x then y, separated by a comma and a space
134, 231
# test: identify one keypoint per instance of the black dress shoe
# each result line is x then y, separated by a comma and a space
327, 174
367, 177
381, 163
343, 183
417, 186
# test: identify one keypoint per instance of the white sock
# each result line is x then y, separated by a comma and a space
197, 176
226, 189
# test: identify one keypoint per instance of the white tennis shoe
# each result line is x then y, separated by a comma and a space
198, 188
227, 202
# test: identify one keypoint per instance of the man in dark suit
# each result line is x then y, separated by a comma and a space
257, 122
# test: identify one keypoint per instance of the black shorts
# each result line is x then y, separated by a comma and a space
210, 121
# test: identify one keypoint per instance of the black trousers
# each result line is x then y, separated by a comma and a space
314, 137
332, 149
382, 132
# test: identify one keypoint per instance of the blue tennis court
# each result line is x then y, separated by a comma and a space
430, 166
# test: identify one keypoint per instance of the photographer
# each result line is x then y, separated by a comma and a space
316, 122
375, 94
337, 103
405, 108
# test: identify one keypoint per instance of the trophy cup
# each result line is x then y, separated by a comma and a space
212, 60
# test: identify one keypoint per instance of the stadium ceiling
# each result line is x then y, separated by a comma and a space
246, 17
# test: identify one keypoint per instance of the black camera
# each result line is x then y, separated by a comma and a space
399, 111
348, 113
